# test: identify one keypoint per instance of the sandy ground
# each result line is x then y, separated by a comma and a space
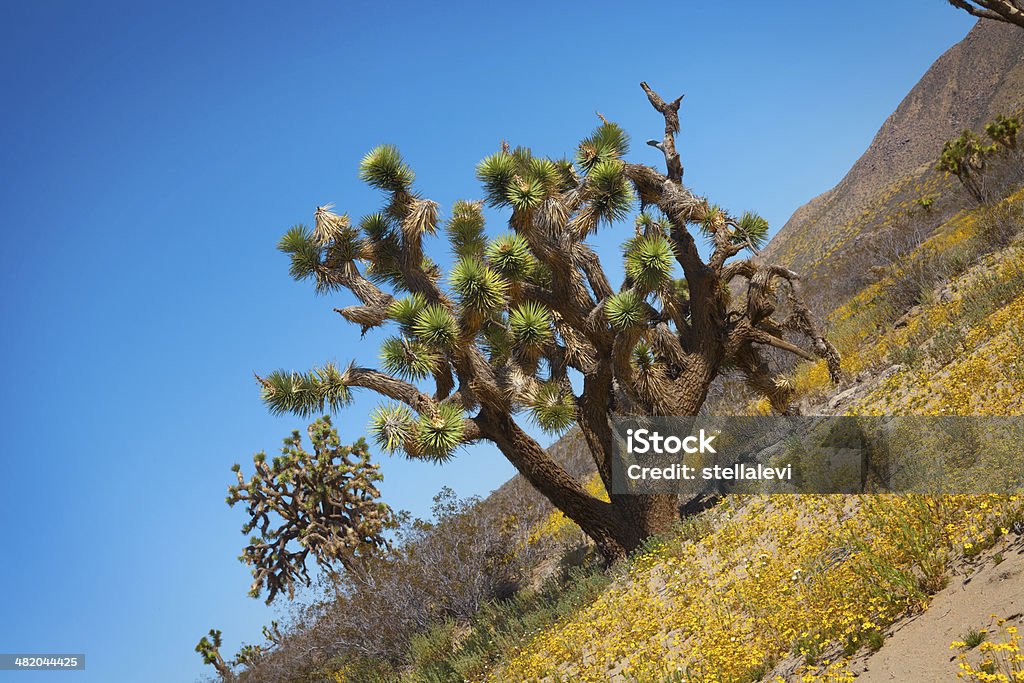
917, 649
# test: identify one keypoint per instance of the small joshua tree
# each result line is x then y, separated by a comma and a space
248, 656
1003, 131
968, 156
520, 314
325, 503
1008, 11
209, 649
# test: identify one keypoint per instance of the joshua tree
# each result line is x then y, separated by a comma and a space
967, 156
522, 314
248, 658
324, 503
209, 649
1003, 131
1009, 11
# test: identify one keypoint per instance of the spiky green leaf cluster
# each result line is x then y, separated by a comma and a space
521, 180
345, 247
497, 172
963, 154
465, 230
439, 433
376, 226
435, 326
649, 372
407, 358
608, 142
305, 393
480, 289
626, 309
511, 257
713, 220
545, 173
649, 262
751, 229
552, 408
384, 169
1003, 130
530, 323
404, 310
525, 194
608, 191
496, 339
381, 250
647, 225
643, 358
391, 426
299, 244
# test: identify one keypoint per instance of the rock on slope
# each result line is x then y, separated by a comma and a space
976, 79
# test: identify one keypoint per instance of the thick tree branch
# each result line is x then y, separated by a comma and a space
389, 386
743, 268
590, 264
595, 405
804, 322
367, 317
420, 217
1007, 11
600, 520
670, 110
762, 337
346, 274
759, 376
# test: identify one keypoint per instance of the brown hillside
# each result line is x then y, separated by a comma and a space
979, 77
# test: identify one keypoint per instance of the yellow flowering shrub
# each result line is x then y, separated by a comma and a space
819, 576
809, 575
995, 661
978, 372
827, 672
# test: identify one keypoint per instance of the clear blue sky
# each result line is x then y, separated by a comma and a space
151, 156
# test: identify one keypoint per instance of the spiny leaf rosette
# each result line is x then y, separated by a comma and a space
323, 503
526, 313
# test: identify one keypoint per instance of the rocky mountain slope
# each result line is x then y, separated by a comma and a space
976, 79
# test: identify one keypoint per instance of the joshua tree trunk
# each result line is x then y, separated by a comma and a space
615, 532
